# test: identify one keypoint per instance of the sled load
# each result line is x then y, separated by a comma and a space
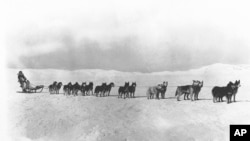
26, 85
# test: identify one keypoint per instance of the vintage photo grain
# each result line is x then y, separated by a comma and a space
124, 70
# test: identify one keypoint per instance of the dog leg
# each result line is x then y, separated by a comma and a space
214, 99
234, 97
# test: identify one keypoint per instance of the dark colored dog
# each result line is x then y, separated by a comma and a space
58, 87
123, 90
67, 88
83, 88
89, 88
108, 88
131, 90
52, 87
220, 92
100, 89
75, 89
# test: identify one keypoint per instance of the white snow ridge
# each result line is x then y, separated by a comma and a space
45, 117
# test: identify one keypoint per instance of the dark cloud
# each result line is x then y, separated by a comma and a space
127, 36
90, 55
184, 49
125, 56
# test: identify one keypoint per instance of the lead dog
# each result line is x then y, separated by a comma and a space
220, 92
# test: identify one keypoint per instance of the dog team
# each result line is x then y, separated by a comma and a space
158, 92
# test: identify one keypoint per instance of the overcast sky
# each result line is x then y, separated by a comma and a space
128, 35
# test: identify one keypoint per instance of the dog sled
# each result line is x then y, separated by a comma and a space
26, 85
28, 88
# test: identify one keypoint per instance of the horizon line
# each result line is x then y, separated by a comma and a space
146, 72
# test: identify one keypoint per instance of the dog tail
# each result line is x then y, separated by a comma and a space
213, 91
176, 93
148, 93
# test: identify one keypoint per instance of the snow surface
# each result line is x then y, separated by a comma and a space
45, 117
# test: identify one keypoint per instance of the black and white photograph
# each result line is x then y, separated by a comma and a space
124, 70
